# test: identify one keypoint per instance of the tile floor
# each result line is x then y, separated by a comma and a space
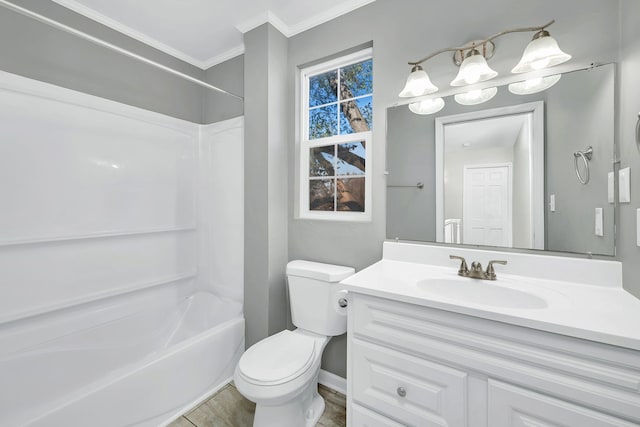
228, 408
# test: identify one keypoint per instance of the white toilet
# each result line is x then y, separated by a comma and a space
280, 373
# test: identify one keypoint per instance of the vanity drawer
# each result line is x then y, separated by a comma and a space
511, 406
363, 417
410, 390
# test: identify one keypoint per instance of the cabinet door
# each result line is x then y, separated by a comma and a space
407, 389
511, 406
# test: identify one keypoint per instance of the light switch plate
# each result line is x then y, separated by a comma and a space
599, 225
610, 188
552, 202
624, 189
638, 226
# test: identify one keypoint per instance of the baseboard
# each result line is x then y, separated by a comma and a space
333, 381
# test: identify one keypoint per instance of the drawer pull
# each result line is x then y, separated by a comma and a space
401, 392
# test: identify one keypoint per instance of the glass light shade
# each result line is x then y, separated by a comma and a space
474, 69
541, 52
477, 96
534, 85
427, 106
418, 84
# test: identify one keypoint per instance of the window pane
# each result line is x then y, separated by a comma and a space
351, 194
321, 161
356, 80
321, 194
351, 158
323, 122
323, 88
356, 115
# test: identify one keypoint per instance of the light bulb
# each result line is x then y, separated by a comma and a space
476, 96
534, 85
474, 69
541, 52
427, 106
418, 84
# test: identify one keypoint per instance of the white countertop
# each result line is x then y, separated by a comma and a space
602, 312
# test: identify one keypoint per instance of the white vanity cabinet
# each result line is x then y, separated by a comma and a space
412, 365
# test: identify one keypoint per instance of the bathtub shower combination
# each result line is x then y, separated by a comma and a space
121, 259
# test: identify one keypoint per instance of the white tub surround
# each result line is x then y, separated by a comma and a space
121, 297
553, 341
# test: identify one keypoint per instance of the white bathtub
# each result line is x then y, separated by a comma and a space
141, 369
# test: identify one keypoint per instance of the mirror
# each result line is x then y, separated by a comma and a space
521, 171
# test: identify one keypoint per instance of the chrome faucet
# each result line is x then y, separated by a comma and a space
476, 269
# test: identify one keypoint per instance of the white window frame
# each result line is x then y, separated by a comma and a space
305, 144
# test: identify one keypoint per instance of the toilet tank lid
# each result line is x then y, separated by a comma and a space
319, 271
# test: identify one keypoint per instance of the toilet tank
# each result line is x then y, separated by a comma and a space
314, 293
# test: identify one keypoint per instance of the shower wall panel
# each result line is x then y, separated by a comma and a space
97, 198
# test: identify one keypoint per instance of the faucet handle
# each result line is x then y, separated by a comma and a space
491, 273
476, 266
463, 270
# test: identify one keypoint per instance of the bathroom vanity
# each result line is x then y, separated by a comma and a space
554, 341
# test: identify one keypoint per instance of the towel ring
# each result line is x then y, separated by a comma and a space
585, 155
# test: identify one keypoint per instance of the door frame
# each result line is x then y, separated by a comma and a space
535, 112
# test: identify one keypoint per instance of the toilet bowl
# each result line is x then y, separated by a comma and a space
280, 373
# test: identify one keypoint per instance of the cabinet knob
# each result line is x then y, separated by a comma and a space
401, 392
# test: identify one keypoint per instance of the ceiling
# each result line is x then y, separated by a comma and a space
486, 133
207, 32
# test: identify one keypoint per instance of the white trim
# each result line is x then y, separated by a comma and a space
224, 56
302, 176
248, 25
291, 30
536, 110
332, 381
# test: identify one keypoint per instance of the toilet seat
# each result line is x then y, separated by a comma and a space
278, 359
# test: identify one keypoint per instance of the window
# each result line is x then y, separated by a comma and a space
335, 145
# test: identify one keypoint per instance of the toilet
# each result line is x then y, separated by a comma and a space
280, 373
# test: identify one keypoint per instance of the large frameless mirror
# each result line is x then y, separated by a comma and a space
510, 172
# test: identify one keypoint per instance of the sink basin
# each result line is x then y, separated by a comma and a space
482, 292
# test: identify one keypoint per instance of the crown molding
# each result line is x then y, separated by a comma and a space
267, 16
291, 30
224, 56
128, 31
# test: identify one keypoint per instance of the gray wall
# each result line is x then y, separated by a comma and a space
629, 101
265, 180
229, 76
578, 115
35, 50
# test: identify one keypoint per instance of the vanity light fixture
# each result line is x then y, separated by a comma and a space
476, 96
542, 52
534, 85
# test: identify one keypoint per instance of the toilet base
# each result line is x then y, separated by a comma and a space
303, 411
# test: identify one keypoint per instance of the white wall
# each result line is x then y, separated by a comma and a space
99, 199
221, 208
